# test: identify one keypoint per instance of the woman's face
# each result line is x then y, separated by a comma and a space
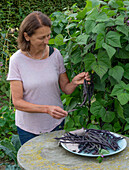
40, 38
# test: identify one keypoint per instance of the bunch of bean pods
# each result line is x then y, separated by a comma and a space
92, 140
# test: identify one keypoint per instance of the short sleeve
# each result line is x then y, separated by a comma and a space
14, 73
62, 68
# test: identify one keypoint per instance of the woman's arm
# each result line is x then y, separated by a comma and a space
68, 87
21, 104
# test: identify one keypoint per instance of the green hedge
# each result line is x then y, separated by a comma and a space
15, 10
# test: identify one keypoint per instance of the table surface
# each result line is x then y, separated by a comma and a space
43, 152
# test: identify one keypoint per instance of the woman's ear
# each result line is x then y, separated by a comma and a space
26, 36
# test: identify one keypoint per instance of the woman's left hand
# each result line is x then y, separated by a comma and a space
79, 79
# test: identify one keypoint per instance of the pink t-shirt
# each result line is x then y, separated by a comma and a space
40, 86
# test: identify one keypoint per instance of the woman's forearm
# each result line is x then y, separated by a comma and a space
25, 106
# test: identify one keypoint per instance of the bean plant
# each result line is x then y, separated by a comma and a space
95, 39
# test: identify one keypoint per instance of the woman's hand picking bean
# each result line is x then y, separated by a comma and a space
56, 112
79, 79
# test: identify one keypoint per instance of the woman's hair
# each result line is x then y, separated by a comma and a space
32, 22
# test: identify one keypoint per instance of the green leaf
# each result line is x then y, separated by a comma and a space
120, 20
116, 3
93, 14
69, 123
119, 88
107, 126
52, 41
2, 122
9, 149
108, 116
89, 25
117, 73
99, 41
76, 57
97, 109
122, 53
126, 72
119, 109
122, 92
126, 127
82, 14
123, 29
103, 152
99, 69
89, 60
98, 85
99, 28
110, 50
123, 98
59, 40
113, 39
82, 39
91, 4
90, 126
102, 17
87, 47
57, 29
117, 126
71, 26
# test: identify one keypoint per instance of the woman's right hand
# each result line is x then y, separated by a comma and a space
56, 112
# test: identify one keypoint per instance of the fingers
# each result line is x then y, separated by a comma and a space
57, 112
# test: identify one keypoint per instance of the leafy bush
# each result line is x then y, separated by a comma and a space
95, 39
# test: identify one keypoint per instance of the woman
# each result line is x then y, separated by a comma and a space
36, 71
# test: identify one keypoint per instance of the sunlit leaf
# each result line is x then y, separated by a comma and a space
113, 39
117, 73
110, 50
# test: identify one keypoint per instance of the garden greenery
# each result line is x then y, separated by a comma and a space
92, 36
95, 39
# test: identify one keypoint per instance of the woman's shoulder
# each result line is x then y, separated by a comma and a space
16, 55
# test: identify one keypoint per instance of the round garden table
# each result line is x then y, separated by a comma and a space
43, 152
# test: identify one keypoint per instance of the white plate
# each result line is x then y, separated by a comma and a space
73, 148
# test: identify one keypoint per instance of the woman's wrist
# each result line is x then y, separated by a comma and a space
74, 84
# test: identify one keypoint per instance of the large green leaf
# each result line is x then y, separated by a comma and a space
58, 29
97, 109
102, 17
89, 25
108, 116
99, 41
123, 98
59, 40
117, 73
116, 3
82, 39
121, 90
88, 61
124, 29
99, 28
93, 14
99, 69
76, 56
110, 50
113, 39
120, 20
102, 63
